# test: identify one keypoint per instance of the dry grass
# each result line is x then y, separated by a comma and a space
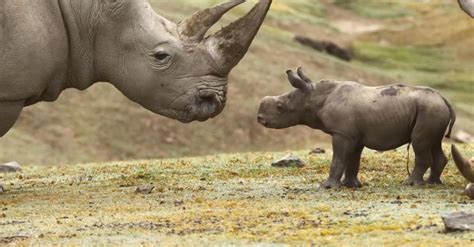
228, 199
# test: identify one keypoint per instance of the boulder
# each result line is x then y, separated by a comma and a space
325, 46
288, 161
10, 167
318, 151
145, 189
459, 221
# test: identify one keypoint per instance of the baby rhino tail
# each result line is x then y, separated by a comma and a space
453, 117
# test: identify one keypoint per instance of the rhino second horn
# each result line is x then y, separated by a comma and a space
231, 43
195, 27
466, 167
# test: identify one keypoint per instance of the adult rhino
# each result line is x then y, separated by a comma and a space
175, 70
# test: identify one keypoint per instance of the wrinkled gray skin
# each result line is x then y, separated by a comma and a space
357, 116
467, 6
47, 46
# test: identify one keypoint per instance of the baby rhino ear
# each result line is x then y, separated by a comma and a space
297, 81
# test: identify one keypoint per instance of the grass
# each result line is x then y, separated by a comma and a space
226, 200
377, 9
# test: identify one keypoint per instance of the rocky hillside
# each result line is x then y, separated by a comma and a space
416, 42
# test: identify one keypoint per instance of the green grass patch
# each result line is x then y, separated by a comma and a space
399, 57
376, 9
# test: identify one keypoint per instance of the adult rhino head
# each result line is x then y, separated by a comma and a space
172, 69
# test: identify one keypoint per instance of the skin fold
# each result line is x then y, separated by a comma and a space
357, 116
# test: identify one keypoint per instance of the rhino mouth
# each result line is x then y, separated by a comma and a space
206, 103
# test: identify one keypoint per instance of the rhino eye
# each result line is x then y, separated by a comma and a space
280, 106
162, 57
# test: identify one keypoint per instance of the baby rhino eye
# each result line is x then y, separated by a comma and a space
280, 106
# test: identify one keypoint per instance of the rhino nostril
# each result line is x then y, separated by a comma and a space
261, 119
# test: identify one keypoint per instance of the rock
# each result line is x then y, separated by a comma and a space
10, 167
463, 137
459, 222
467, 6
145, 189
318, 151
469, 191
2, 190
325, 46
288, 161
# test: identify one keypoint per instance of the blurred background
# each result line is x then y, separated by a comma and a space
375, 42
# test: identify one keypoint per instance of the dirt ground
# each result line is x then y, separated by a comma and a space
226, 200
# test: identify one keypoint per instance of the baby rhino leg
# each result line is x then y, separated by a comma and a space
343, 151
350, 179
423, 160
439, 163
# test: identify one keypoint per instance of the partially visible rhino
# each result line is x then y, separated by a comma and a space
467, 6
465, 166
357, 116
171, 69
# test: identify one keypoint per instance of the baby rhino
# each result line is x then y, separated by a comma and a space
357, 116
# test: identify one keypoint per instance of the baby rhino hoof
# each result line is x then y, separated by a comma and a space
352, 183
434, 181
414, 182
330, 184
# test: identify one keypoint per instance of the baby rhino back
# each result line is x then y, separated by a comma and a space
384, 118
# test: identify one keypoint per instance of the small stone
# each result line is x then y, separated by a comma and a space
318, 151
288, 161
145, 189
2, 190
459, 222
469, 191
10, 167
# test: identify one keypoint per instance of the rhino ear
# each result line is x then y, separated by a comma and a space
303, 75
296, 81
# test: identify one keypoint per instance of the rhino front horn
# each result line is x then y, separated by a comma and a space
466, 167
231, 43
195, 27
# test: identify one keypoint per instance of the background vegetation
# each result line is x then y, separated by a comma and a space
425, 42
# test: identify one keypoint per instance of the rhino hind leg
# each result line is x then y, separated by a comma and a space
350, 179
439, 163
423, 160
